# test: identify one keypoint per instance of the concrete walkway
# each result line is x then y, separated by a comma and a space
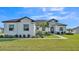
61, 37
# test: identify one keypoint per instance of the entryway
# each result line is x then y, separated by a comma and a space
52, 29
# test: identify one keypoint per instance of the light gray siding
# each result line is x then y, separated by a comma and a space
76, 31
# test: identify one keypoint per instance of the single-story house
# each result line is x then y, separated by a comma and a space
26, 26
69, 30
76, 30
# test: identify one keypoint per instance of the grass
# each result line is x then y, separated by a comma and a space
75, 36
1, 33
51, 36
70, 44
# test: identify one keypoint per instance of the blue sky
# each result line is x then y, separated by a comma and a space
66, 15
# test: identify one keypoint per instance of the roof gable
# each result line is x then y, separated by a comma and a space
60, 24
41, 21
53, 20
18, 20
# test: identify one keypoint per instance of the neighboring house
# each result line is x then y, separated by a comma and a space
1, 30
25, 27
76, 30
69, 30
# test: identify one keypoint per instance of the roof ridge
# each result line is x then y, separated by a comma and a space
18, 19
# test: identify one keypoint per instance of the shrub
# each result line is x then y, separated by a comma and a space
28, 36
11, 36
33, 36
16, 35
20, 36
47, 33
42, 36
39, 34
6, 36
24, 36
58, 33
1, 36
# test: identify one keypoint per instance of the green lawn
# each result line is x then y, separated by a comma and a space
51, 36
70, 44
75, 36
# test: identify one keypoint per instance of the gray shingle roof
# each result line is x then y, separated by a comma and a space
60, 24
76, 27
18, 20
53, 19
40, 20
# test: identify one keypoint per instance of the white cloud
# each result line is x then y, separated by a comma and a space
56, 17
57, 9
44, 15
71, 15
53, 9
39, 17
50, 16
44, 9
64, 12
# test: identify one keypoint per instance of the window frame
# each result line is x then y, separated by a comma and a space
11, 27
61, 28
26, 27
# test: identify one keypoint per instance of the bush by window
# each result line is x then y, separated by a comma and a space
24, 36
28, 36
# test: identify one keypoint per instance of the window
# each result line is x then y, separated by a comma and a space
26, 27
37, 28
43, 28
61, 29
11, 27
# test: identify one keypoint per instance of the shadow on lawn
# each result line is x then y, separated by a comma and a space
2, 40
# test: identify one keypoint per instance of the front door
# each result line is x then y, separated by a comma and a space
52, 29
61, 30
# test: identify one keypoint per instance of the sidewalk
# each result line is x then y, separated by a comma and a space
61, 37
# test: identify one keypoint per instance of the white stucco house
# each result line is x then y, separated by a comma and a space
26, 26
23, 26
